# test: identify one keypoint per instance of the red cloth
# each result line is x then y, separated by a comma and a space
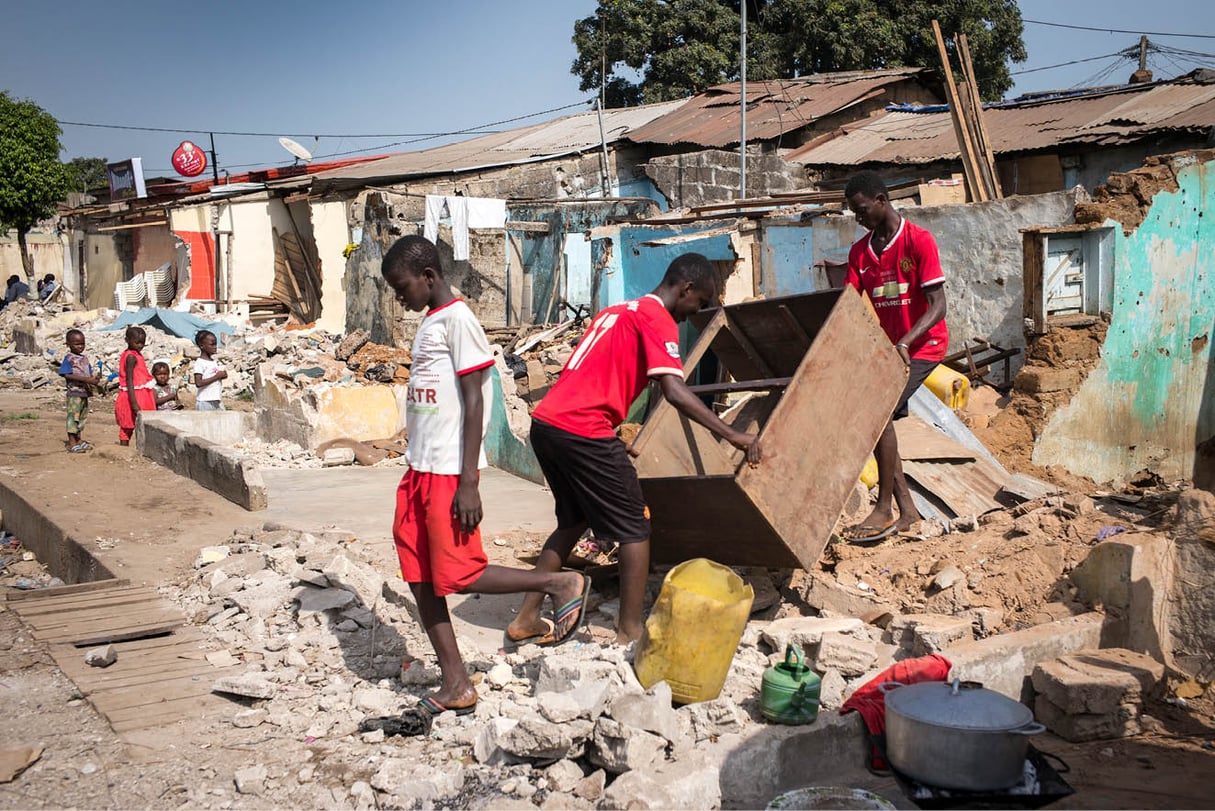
626, 345
895, 283
145, 398
429, 543
870, 702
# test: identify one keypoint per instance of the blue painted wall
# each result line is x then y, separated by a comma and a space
1151, 398
635, 269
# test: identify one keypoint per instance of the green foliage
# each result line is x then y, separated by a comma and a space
32, 180
655, 50
85, 174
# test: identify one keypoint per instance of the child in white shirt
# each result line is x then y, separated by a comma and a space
208, 374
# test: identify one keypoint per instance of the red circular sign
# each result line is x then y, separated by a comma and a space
189, 159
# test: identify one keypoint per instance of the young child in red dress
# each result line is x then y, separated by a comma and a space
134, 385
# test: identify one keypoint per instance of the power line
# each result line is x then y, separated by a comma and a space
1117, 30
1065, 64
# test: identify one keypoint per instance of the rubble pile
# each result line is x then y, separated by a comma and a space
327, 639
536, 360
20, 568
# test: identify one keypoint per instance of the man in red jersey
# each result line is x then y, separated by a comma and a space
896, 264
574, 434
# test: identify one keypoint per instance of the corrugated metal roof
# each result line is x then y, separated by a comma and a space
774, 107
563, 136
1133, 113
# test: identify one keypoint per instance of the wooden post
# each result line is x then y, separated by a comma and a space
989, 156
970, 165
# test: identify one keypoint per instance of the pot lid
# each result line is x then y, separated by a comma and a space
962, 705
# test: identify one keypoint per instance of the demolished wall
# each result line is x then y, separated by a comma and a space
1151, 398
712, 176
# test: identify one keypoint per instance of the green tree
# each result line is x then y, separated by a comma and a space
86, 173
32, 180
652, 50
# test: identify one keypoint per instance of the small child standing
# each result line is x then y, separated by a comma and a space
78, 372
438, 501
166, 395
207, 373
134, 385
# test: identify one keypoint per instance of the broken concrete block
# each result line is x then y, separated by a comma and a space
243, 564
847, 654
806, 632
688, 783
831, 690
922, 634
487, 748
251, 780
714, 718
500, 675
561, 673
1097, 681
345, 573
249, 685
543, 741
352, 342
824, 594
247, 719
947, 578
222, 658
338, 457
1192, 610
559, 708
1131, 576
563, 776
101, 657
314, 600
311, 577
1121, 722
619, 748
591, 787
650, 711
377, 700
266, 598
1044, 379
411, 782
589, 699
211, 554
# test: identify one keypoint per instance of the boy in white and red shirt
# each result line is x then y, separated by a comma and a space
897, 265
574, 432
438, 501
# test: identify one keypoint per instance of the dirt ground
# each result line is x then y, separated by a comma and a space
136, 506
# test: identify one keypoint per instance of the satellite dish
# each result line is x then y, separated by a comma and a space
295, 149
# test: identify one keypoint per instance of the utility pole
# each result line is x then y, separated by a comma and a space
742, 109
1143, 42
215, 225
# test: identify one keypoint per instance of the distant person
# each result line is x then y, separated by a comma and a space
78, 372
134, 385
166, 395
15, 289
627, 346
208, 373
898, 266
438, 510
47, 287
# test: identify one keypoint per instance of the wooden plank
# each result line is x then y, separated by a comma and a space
77, 599
740, 336
163, 672
167, 712
130, 665
782, 311
969, 165
88, 626
920, 441
1032, 265
146, 698
57, 591
49, 614
742, 385
120, 616
823, 428
116, 635
987, 154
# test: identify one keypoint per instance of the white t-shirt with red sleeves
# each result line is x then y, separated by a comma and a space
450, 343
625, 346
895, 282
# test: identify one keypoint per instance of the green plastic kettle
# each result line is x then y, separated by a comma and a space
789, 692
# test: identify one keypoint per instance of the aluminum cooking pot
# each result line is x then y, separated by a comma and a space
957, 736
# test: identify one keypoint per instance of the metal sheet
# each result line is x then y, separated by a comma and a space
967, 488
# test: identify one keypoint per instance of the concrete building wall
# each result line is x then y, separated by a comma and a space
192, 225
331, 230
152, 247
710, 176
1151, 398
252, 222
107, 261
46, 252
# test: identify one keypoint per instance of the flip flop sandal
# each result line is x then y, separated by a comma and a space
872, 536
411, 723
431, 707
519, 642
80, 448
572, 608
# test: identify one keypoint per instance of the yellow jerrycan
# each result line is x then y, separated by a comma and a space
951, 388
694, 630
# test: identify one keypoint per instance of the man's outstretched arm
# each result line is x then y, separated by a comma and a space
679, 395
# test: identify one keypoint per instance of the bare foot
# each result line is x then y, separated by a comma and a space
624, 636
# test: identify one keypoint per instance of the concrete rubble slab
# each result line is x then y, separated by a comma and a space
1097, 681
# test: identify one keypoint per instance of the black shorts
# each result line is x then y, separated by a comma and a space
919, 372
593, 482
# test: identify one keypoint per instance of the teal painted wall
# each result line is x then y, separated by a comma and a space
1151, 398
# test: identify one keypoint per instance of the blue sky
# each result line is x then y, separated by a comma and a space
309, 67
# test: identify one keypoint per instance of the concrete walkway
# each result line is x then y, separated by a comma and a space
362, 500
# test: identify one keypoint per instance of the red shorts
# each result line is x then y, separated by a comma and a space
430, 545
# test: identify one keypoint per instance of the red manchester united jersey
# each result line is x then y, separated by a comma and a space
895, 283
624, 347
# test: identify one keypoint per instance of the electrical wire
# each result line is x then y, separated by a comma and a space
1065, 64
1117, 30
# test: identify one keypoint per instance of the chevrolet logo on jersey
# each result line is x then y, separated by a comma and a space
892, 290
